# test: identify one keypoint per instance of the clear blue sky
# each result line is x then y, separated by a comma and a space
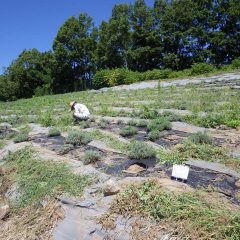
26, 24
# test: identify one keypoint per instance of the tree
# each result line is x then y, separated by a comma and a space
145, 50
114, 39
73, 48
29, 72
224, 40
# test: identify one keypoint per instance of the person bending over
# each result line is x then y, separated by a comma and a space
81, 112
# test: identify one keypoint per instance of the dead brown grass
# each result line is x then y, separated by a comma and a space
32, 222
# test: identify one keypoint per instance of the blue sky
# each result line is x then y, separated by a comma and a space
26, 24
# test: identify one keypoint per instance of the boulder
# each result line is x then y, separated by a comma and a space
111, 188
237, 183
173, 186
4, 211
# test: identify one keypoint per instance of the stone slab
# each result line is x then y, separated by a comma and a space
216, 167
102, 146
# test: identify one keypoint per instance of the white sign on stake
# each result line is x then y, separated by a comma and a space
180, 171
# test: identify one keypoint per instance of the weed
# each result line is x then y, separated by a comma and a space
201, 138
154, 135
39, 179
84, 124
21, 137
119, 122
78, 138
142, 123
128, 131
46, 119
53, 132
132, 123
103, 125
191, 213
91, 157
159, 124
65, 149
140, 150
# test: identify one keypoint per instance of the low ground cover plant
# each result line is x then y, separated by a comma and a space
140, 150
66, 148
159, 124
21, 137
128, 131
91, 156
78, 138
53, 132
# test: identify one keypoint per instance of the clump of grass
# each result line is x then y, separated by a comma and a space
190, 213
92, 119
159, 124
65, 149
142, 123
40, 179
103, 124
154, 135
201, 138
170, 156
132, 123
140, 150
53, 132
128, 131
79, 138
46, 119
91, 157
119, 122
21, 137
84, 124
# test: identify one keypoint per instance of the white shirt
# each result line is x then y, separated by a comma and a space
81, 110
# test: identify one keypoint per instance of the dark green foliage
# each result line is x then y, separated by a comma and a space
159, 124
154, 135
65, 149
236, 63
140, 150
78, 138
91, 156
200, 68
201, 138
54, 132
21, 137
128, 131
171, 39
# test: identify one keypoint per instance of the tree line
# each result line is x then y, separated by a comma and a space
173, 34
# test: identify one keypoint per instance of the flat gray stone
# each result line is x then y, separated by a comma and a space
217, 167
188, 128
102, 146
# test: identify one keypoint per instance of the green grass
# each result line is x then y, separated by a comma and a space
38, 179
154, 135
21, 137
195, 214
